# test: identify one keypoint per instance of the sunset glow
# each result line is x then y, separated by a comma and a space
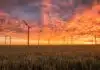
82, 28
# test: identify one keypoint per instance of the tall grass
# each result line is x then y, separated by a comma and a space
49, 63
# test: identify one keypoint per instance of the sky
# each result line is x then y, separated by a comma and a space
31, 9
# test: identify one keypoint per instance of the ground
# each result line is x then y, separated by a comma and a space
51, 50
61, 57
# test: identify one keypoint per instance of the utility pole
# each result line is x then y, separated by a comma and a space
28, 32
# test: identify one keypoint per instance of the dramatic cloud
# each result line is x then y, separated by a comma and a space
67, 8
24, 9
31, 9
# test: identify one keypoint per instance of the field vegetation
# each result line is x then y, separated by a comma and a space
50, 58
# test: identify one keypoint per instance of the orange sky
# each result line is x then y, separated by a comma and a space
81, 29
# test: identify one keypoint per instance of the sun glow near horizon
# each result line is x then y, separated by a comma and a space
19, 41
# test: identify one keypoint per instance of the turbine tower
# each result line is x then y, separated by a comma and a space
46, 8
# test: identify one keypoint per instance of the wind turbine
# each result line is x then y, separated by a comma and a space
9, 39
64, 37
50, 21
28, 32
3, 21
94, 33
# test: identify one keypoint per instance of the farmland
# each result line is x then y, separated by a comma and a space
66, 50
65, 57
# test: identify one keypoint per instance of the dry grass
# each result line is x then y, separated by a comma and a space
70, 57
69, 50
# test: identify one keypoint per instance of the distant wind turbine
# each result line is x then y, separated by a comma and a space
40, 30
9, 39
3, 21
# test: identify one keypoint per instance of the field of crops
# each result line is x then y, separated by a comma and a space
70, 57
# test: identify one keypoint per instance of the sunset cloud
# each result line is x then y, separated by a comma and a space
31, 9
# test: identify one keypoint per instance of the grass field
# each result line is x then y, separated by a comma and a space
51, 50
65, 57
